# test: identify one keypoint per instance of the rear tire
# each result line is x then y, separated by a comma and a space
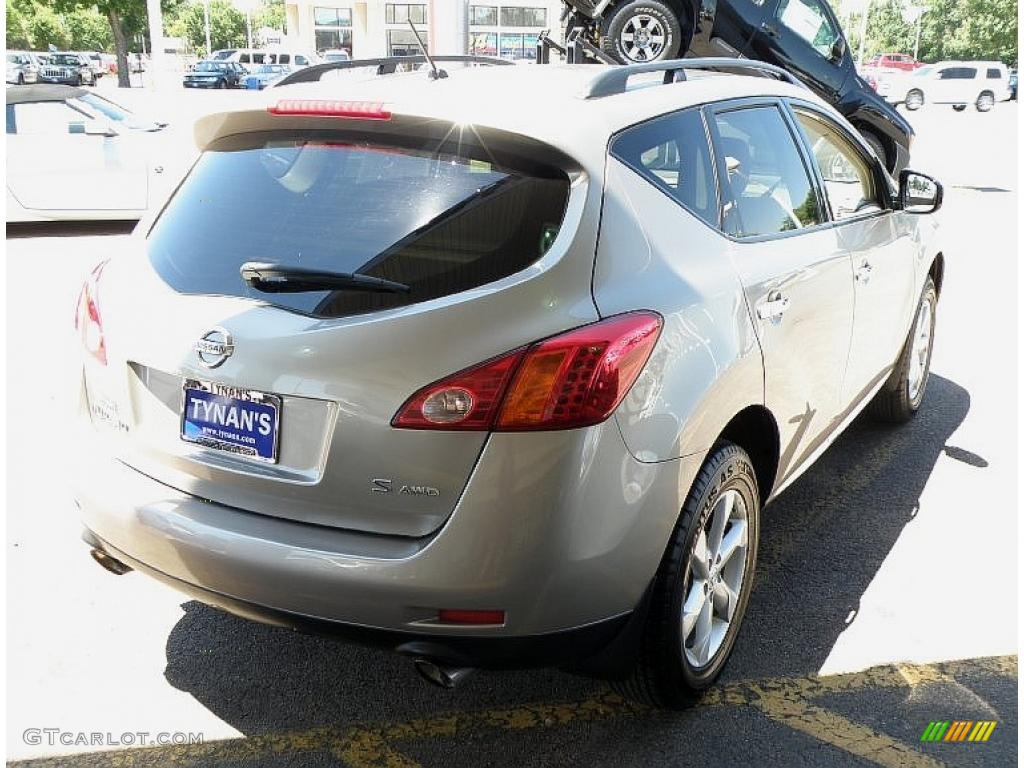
985, 102
901, 396
21, 78
915, 100
876, 144
222, 84
673, 667
959, 107
644, 30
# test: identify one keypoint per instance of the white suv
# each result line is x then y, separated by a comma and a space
500, 368
957, 83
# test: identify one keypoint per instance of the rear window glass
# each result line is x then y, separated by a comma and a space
440, 223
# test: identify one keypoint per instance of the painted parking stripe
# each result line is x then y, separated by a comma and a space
782, 700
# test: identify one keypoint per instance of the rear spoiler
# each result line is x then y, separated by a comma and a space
385, 66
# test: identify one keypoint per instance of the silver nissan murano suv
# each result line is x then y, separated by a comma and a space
499, 369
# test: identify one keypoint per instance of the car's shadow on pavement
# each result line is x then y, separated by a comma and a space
822, 542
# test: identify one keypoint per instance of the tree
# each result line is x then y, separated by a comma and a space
227, 25
270, 14
46, 28
18, 17
87, 30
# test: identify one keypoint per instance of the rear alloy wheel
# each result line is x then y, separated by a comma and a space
900, 397
915, 100
702, 586
985, 102
644, 30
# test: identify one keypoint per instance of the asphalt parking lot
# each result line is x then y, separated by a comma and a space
885, 596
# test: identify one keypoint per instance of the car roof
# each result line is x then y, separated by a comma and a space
21, 94
546, 102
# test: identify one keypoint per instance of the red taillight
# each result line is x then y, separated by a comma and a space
363, 110
88, 321
572, 380
455, 616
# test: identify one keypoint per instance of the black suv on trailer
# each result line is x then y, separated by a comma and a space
802, 36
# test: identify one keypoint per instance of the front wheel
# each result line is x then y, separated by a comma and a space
959, 107
915, 100
985, 102
644, 30
222, 84
702, 585
901, 396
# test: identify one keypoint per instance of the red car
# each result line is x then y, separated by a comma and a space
899, 61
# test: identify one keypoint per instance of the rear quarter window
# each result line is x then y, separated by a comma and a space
672, 153
439, 222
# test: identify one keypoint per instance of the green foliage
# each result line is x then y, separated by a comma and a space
88, 31
950, 29
270, 14
227, 25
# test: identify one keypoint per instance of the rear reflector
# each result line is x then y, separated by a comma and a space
575, 379
361, 110
455, 616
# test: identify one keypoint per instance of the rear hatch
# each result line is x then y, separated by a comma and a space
280, 402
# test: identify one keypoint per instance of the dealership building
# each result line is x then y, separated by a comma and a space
375, 28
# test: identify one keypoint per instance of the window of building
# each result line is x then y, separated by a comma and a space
402, 42
483, 15
333, 29
524, 17
403, 13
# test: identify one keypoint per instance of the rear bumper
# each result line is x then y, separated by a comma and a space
566, 647
562, 531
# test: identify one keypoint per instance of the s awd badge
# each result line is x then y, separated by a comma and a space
386, 485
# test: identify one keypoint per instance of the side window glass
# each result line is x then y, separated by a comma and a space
993, 74
809, 20
672, 153
244, 58
849, 180
284, 58
767, 178
969, 73
301, 60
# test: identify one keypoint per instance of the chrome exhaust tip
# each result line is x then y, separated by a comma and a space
440, 675
109, 563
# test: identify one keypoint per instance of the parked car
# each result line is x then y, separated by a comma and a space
336, 55
95, 62
253, 56
956, 83
136, 63
802, 36
270, 425
214, 74
22, 68
265, 74
72, 154
898, 61
67, 69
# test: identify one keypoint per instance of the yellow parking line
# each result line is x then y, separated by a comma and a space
853, 738
784, 700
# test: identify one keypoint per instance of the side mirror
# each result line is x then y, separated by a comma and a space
838, 49
919, 193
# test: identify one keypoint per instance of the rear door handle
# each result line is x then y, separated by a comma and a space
863, 272
774, 308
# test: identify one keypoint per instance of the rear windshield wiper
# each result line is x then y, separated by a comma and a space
280, 278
